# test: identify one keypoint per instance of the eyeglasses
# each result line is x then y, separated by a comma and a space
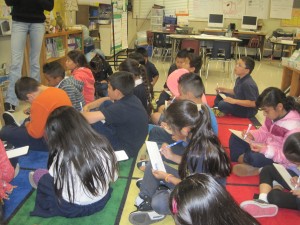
241, 66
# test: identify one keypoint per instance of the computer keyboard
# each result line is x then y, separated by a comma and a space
214, 29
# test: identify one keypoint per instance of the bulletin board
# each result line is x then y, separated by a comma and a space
295, 20
231, 8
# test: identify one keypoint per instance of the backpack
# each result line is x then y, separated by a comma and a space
100, 68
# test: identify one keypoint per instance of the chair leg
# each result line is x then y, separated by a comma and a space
207, 68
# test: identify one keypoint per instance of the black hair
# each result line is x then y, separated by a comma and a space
54, 69
272, 96
192, 82
249, 63
142, 51
195, 61
123, 81
139, 70
77, 148
78, 58
291, 147
182, 53
201, 200
138, 57
25, 86
185, 113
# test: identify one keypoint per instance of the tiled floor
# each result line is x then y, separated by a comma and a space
266, 74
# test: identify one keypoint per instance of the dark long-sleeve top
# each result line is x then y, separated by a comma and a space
30, 11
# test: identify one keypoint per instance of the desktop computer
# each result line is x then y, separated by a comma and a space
249, 23
215, 21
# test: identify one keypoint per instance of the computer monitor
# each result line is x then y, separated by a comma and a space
249, 22
216, 20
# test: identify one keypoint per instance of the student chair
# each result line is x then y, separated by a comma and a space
191, 45
161, 45
254, 43
220, 51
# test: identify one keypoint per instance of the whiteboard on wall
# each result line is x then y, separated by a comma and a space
93, 2
259, 8
281, 9
202, 8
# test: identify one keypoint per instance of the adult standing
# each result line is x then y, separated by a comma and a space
27, 18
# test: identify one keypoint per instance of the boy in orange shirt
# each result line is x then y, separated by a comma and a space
43, 101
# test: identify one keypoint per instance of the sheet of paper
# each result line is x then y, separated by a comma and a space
155, 157
284, 173
17, 152
237, 133
121, 155
222, 95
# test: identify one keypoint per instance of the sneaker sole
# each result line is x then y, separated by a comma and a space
143, 218
258, 210
12, 116
243, 170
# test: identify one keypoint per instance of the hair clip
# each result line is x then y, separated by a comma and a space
174, 206
199, 107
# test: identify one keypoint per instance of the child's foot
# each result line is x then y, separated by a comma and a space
9, 119
144, 214
17, 170
141, 165
243, 170
31, 180
258, 208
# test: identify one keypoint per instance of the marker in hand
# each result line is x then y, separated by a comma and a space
173, 144
298, 184
249, 127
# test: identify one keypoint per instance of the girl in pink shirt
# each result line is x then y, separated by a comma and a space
76, 62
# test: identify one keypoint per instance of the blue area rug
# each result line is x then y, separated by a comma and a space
33, 160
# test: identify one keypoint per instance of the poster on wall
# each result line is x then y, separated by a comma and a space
234, 8
259, 8
281, 9
294, 21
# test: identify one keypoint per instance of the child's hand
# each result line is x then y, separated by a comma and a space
160, 175
296, 192
86, 108
166, 152
249, 135
294, 182
230, 100
257, 147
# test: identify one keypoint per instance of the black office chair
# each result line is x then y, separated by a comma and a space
161, 45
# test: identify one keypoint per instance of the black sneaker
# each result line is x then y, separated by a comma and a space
9, 119
139, 182
9, 107
145, 217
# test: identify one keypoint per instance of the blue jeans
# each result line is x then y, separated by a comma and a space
235, 110
18, 41
238, 147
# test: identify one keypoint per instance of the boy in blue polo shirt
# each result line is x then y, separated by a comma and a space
125, 121
239, 101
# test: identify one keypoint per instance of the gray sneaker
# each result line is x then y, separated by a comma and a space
145, 217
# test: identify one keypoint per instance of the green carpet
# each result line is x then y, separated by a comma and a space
107, 216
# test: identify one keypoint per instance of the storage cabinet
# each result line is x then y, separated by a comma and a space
55, 48
157, 19
290, 79
89, 15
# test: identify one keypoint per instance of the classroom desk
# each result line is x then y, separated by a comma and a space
242, 34
178, 37
283, 44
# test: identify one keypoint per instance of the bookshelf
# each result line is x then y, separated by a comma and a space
55, 48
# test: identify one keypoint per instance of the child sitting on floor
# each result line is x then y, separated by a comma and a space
196, 198
124, 121
76, 62
203, 154
7, 173
55, 75
84, 164
239, 101
266, 143
142, 88
272, 185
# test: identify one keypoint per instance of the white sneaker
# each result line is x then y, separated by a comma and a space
31, 181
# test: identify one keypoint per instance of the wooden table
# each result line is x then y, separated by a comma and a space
290, 79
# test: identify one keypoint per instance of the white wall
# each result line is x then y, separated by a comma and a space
5, 50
